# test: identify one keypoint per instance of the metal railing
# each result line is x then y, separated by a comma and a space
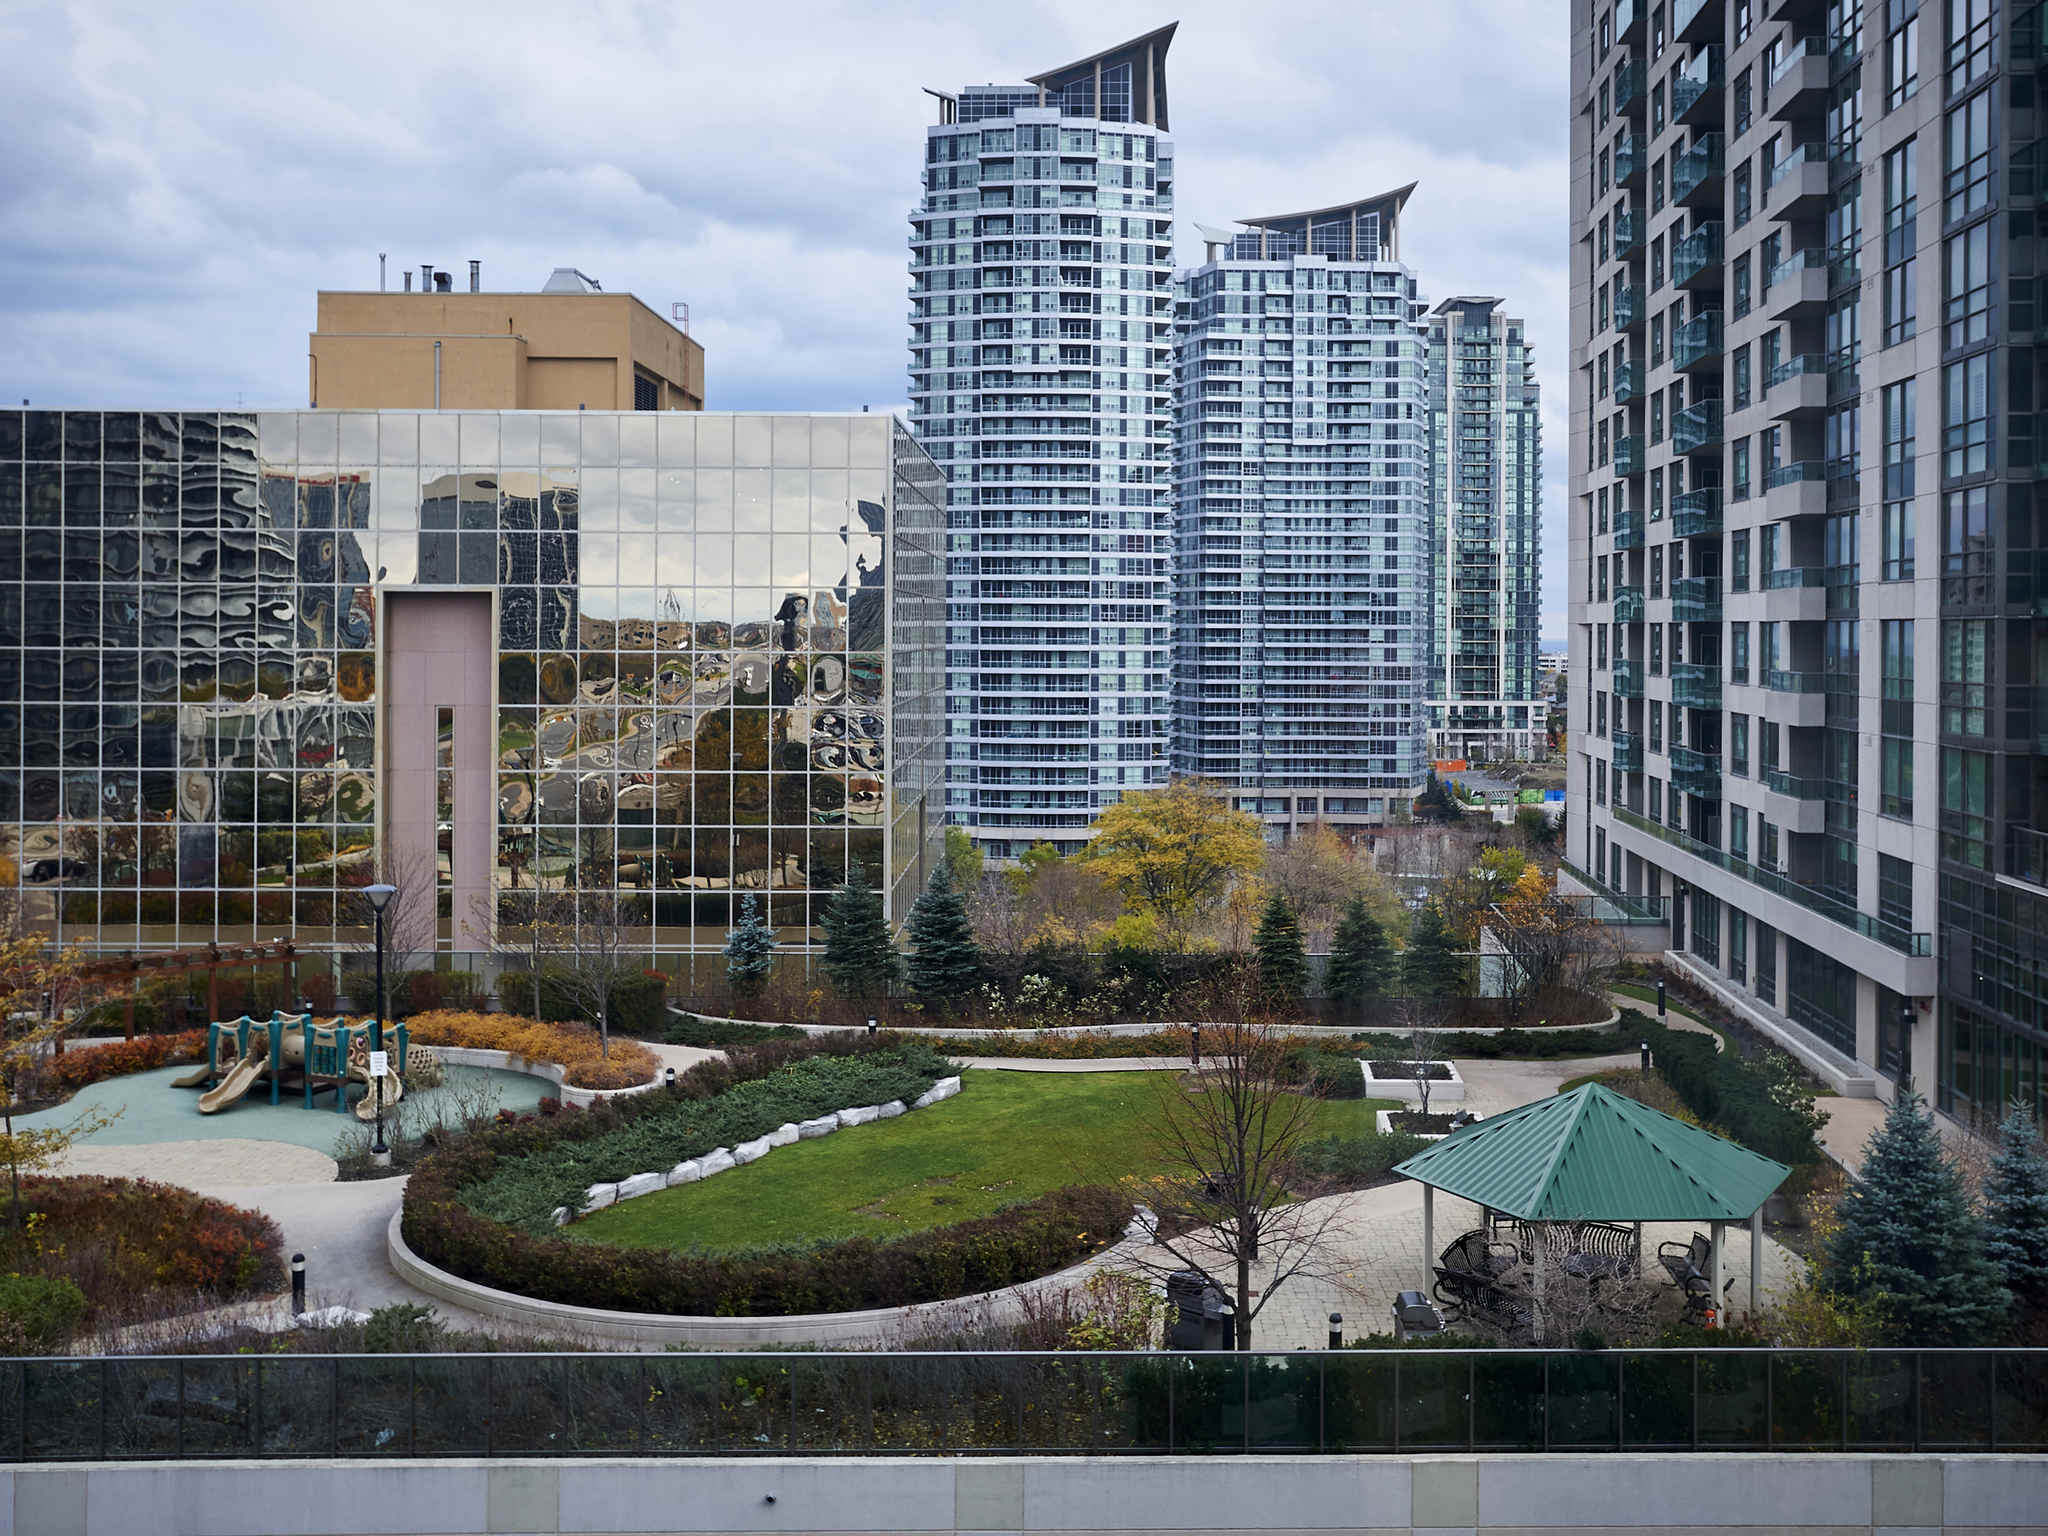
1696, 512
1696, 253
1348, 1402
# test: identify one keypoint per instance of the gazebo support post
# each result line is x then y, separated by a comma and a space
1756, 1262
1720, 1234
1541, 1238
1428, 1238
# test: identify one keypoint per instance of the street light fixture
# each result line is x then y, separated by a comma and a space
380, 897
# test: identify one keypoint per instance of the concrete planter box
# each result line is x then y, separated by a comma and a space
1383, 1122
546, 1071
1442, 1090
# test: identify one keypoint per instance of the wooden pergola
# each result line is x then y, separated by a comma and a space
210, 958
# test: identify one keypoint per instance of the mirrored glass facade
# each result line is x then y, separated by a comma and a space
706, 661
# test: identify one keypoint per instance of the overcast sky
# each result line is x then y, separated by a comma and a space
179, 178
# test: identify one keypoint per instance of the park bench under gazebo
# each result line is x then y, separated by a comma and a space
1603, 1163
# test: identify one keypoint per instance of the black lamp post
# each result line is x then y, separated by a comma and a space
380, 898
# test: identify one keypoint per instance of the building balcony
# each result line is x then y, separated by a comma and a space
1630, 160
1797, 283
1628, 530
1795, 576
1628, 383
1778, 680
1798, 386
1628, 308
1798, 184
1696, 94
1696, 600
1798, 489
1628, 678
1696, 260
1628, 234
1795, 804
1628, 605
1628, 18
1697, 341
1628, 752
1799, 84
1695, 685
1696, 772
1697, 512
1697, 427
1628, 456
2026, 857
1629, 87
1696, 174
1692, 20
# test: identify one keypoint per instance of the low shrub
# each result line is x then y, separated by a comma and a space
1350, 1162
1744, 1099
1505, 1044
82, 1065
639, 999
528, 1181
1435, 1071
427, 991
1326, 1074
577, 1048
711, 1034
38, 1313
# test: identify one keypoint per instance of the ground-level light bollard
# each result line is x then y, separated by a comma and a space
1194, 1045
1660, 1000
1644, 1047
298, 1285
1336, 1330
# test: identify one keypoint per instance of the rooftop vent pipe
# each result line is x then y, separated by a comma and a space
408, 279
426, 277
443, 283
476, 276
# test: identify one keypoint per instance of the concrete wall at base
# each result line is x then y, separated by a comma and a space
1398, 1496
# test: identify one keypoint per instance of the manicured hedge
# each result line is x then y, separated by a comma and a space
83, 1065
713, 1034
577, 1048
1013, 1245
639, 1001
563, 1159
1730, 1093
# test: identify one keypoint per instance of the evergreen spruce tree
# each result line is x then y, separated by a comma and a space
1283, 964
860, 955
2016, 1212
749, 950
1361, 959
945, 962
1432, 966
1910, 1242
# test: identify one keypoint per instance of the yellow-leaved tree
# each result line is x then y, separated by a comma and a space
1175, 852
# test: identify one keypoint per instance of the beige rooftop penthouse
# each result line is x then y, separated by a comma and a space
570, 346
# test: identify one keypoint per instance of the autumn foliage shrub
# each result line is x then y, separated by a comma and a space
577, 1048
82, 1065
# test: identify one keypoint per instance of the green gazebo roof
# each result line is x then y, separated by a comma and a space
1593, 1155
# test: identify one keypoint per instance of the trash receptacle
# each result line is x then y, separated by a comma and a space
1414, 1314
1200, 1317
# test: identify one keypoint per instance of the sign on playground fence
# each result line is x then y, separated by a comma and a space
380, 1063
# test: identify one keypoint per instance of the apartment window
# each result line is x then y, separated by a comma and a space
1742, 299
1742, 196
1738, 833
1656, 650
1600, 780
1601, 565
1657, 109
1656, 340
1897, 532
1738, 745
1743, 21
1895, 769
1656, 264
1600, 714
1966, 807
1901, 206
1657, 418
1738, 944
1767, 843
1966, 286
1744, 109
1739, 472
1606, 30
1966, 183
1769, 737
1902, 53
1895, 891
1606, 86
1603, 376
1969, 42
1738, 653
1656, 713
1964, 683
1656, 186
1657, 572
1606, 225
1743, 386
1769, 347
1966, 416
1601, 630
1767, 548
1603, 173
1603, 308
1738, 560
1603, 508
1657, 33
1656, 495
1656, 799
1766, 963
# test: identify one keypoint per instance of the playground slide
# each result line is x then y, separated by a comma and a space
234, 1085
196, 1078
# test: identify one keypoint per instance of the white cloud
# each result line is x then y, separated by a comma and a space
180, 179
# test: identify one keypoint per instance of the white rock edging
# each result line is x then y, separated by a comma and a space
660, 1328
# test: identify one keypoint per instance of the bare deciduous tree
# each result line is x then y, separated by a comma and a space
1422, 1020
1232, 1134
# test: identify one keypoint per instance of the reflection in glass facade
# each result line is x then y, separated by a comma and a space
1301, 538
1041, 273
715, 664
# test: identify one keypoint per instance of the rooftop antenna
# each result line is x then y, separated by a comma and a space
380, 271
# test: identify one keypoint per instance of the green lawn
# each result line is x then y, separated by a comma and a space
1008, 1136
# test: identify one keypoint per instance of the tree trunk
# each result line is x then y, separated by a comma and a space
1243, 1319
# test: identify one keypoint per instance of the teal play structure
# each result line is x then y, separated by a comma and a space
298, 1054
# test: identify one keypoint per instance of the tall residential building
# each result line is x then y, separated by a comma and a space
569, 347
1041, 312
1485, 519
1301, 550
1821, 749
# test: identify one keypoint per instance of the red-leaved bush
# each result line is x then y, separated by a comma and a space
86, 1064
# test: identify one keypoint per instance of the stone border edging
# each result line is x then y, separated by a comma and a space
548, 1071
665, 1328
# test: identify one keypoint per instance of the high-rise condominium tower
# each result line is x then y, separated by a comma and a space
1809, 644
1486, 478
1301, 535
1041, 304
